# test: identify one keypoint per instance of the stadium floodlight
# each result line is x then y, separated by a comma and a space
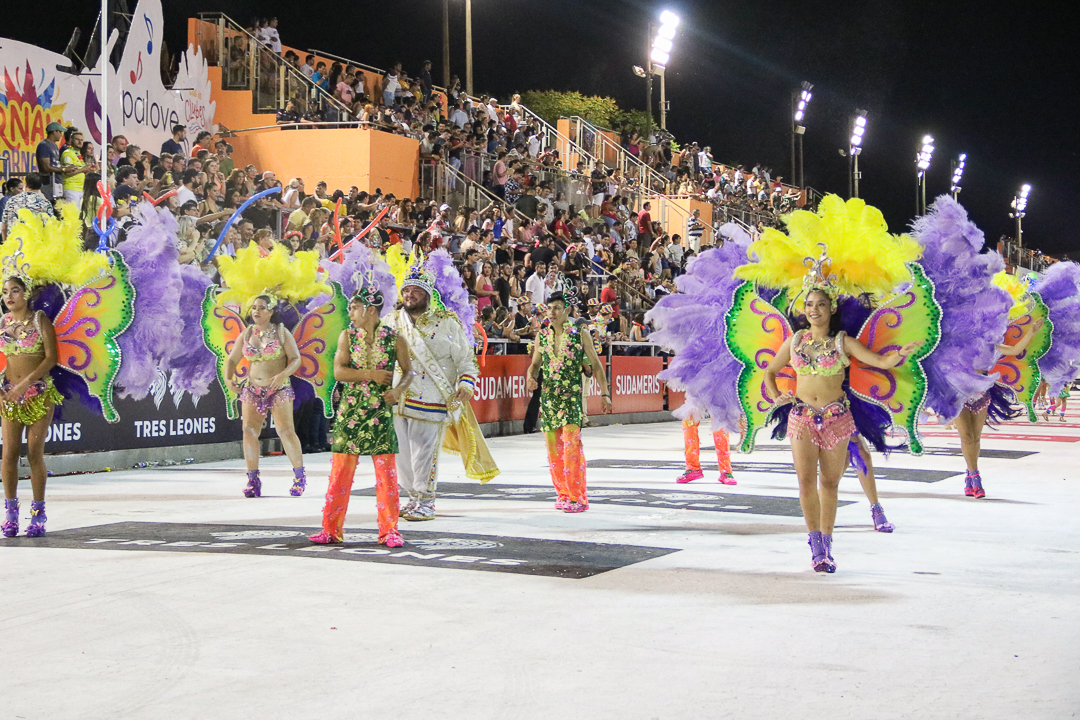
1020, 203
858, 129
804, 101
958, 174
925, 154
799, 104
659, 56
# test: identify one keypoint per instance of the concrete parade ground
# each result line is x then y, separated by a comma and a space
164, 593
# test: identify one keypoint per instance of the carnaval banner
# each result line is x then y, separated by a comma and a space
501, 392
634, 384
34, 93
161, 419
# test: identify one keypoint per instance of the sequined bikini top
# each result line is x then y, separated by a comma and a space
20, 338
818, 357
272, 349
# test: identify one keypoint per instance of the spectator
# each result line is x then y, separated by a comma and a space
202, 142
695, 228
485, 288
308, 68
127, 184
31, 198
74, 165
425, 81
48, 162
186, 192
644, 225
173, 145
536, 286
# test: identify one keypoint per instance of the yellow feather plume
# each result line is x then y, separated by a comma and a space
862, 255
286, 277
53, 249
399, 263
1023, 303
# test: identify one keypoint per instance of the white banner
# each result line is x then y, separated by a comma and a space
34, 93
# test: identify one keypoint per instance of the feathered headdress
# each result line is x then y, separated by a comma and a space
1023, 303
278, 275
361, 267
1059, 288
50, 250
419, 276
845, 248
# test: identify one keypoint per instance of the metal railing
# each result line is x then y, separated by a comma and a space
248, 64
1021, 259
366, 67
444, 183
596, 142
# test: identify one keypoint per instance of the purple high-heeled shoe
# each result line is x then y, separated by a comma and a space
819, 558
826, 543
10, 526
254, 486
969, 486
881, 523
976, 486
299, 483
36, 528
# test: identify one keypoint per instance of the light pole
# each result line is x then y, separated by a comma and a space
922, 162
446, 43
1019, 204
858, 130
468, 48
659, 55
957, 174
797, 130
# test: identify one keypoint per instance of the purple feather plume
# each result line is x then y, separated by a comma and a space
452, 289
49, 299
193, 365
974, 312
691, 324
151, 256
1059, 288
357, 266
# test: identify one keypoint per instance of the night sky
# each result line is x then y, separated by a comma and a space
994, 80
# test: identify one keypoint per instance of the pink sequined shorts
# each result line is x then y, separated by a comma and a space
977, 406
263, 398
827, 427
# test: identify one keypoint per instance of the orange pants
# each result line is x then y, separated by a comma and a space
566, 458
342, 470
692, 447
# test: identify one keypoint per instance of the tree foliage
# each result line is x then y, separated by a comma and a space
602, 111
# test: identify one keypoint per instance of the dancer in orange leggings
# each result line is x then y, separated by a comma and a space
562, 349
692, 450
364, 362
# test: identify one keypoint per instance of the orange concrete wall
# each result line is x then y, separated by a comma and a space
366, 158
369, 159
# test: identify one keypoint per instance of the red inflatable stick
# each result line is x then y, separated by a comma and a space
361, 234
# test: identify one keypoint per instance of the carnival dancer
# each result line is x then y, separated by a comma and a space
56, 343
692, 451
820, 421
272, 357
563, 348
28, 397
849, 252
445, 377
691, 323
256, 362
367, 354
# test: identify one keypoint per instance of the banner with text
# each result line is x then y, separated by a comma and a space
35, 92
